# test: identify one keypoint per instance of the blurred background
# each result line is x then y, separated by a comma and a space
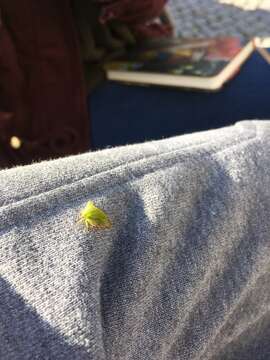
54, 96
135, 114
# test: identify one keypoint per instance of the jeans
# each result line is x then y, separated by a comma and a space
183, 273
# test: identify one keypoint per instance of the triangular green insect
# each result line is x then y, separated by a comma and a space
94, 218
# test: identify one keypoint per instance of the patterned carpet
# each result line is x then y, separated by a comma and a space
202, 18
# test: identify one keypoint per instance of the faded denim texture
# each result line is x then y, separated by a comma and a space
184, 273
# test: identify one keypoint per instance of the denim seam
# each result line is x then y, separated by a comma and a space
131, 181
131, 163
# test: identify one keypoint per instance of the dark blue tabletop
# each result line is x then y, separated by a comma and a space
122, 114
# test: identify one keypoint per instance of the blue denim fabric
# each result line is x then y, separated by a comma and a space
184, 273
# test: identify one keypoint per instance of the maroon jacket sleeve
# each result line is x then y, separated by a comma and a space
41, 82
130, 11
140, 15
